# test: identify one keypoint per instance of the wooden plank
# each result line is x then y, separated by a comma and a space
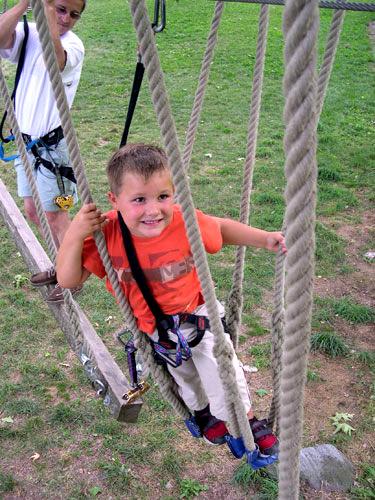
104, 367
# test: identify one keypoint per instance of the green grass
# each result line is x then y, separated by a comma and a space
244, 476
330, 343
352, 312
42, 387
7, 482
366, 488
262, 355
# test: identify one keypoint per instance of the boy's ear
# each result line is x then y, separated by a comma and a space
112, 199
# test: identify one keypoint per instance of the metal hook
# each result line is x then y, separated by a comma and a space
159, 8
99, 387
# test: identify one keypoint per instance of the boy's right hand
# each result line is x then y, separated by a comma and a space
88, 220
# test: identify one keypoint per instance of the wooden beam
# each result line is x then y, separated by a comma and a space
103, 365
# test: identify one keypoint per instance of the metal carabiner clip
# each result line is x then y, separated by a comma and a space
159, 8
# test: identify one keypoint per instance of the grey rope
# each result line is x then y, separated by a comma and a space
329, 57
203, 78
222, 350
300, 25
323, 4
166, 384
278, 313
235, 300
76, 342
277, 334
28, 168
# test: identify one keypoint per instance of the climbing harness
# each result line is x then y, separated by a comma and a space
63, 201
166, 350
159, 15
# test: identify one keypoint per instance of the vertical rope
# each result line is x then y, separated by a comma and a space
222, 350
277, 334
278, 312
300, 24
235, 297
202, 83
329, 57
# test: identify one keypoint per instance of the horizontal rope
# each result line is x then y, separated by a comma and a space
323, 4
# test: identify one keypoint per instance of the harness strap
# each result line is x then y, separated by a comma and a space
48, 140
165, 323
136, 87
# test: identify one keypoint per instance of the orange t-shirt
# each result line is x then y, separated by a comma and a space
166, 260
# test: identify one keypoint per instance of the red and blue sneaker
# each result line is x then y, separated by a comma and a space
264, 437
213, 430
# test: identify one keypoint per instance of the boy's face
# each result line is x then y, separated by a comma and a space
146, 206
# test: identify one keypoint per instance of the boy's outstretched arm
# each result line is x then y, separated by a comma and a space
236, 233
70, 272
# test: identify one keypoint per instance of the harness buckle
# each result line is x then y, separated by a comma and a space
64, 202
137, 392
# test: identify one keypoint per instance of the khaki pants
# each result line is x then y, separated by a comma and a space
198, 378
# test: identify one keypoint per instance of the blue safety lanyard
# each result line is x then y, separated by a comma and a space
11, 138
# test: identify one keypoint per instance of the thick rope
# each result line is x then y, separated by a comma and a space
28, 168
329, 57
222, 350
235, 297
278, 312
300, 25
202, 83
277, 335
77, 340
324, 4
166, 385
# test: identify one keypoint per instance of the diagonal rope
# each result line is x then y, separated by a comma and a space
166, 385
28, 168
77, 341
300, 25
235, 297
202, 83
222, 350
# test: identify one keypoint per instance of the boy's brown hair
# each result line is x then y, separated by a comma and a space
138, 158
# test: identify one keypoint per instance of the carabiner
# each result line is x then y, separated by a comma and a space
159, 6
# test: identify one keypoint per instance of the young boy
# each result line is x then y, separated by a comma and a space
143, 193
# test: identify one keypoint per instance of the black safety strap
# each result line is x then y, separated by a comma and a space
162, 320
66, 172
48, 140
158, 25
20, 65
136, 87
